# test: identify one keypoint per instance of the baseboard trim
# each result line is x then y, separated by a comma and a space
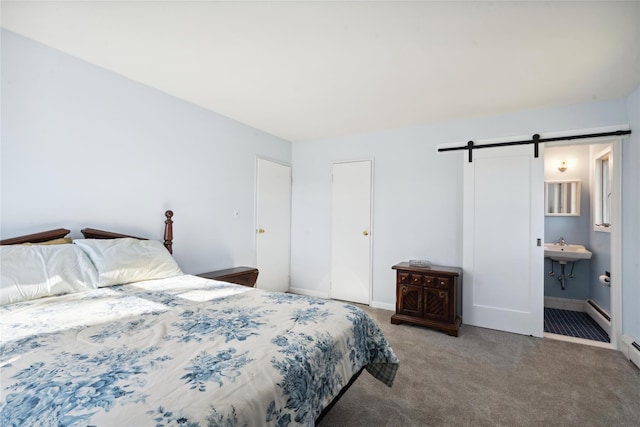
383, 305
631, 349
564, 303
598, 314
325, 295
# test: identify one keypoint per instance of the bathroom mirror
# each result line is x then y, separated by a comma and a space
562, 198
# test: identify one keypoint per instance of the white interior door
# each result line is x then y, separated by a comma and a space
503, 285
273, 225
351, 232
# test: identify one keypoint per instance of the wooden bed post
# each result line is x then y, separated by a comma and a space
168, 231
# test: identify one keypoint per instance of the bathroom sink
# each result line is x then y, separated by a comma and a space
564, 253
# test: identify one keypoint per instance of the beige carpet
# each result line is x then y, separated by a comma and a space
491, 378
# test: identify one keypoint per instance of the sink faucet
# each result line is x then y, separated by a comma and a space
562, 241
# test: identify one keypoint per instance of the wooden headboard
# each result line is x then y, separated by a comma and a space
92, 233
43, 236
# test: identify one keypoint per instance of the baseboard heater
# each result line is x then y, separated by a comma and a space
598, 314
631, 349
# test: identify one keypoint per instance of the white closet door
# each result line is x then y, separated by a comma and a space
503, 284
273, 225
351, 232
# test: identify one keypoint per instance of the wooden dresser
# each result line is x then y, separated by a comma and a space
246, 276
429, 297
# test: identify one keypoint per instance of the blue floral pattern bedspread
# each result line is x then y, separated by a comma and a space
184, 351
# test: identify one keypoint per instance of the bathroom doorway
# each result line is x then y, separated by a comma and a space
583, 208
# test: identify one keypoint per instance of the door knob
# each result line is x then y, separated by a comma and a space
365, 233
260, 230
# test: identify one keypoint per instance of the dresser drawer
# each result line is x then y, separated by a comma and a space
430, 281
404, 278
425, 280
437, 282
443, 282
416, 279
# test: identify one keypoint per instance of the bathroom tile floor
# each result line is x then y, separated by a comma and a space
574, 324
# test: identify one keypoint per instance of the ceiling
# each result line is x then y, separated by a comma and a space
319, 69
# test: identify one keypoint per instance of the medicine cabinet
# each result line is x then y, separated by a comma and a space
562, 198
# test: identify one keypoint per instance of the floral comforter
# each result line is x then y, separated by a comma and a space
182, 351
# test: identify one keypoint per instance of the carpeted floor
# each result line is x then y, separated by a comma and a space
491, 378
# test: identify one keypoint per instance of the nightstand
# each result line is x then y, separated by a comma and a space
428, 297
246, 276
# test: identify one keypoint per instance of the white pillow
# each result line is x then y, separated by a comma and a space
30, 272
128, 260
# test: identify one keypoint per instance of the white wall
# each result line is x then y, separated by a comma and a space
82, 146
417, 191
631, 221
406, 204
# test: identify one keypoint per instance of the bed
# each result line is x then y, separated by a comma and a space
121, 344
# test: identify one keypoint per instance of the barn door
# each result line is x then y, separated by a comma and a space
503, 234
